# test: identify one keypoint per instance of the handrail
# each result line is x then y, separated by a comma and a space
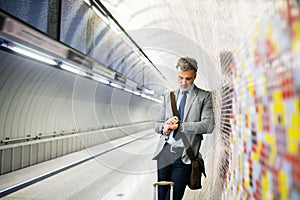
39, 136
62, 133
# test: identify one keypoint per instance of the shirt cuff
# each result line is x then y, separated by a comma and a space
181, 127
162, 130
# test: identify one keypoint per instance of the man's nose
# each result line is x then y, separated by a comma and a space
183, 81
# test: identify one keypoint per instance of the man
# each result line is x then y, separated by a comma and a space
195, 107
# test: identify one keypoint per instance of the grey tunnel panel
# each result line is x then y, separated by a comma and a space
38, 99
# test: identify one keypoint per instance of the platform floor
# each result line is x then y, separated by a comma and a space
126, 172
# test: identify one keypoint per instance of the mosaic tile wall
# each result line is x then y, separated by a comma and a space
260, 112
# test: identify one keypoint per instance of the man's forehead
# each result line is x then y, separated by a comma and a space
188, 73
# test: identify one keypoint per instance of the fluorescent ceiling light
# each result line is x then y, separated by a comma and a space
101, 80
116, 85
143, 95
82, 73
146, 96
128, 90
35, 55
136, 93
98, 78
156, 100
148, 91
69, 68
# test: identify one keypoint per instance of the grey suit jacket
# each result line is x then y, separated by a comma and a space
198, 119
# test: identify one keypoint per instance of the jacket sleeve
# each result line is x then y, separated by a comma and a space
161, 116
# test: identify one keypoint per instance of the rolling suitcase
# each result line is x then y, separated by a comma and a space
163, 183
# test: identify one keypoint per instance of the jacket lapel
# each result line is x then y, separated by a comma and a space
176, 95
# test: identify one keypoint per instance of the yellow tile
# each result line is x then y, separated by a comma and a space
282, 178
278, 107
283, 186
259, 122
259, 127
275, 46
258, 148
294, 133
296, 120
293, 140
265, 185
296, 27
296, 45
241, 165
260, 108
236, 197
297, 104
274, 119
247, 184
277, 95
252, 93
272, 157
255, 157
296, 41
251, 88
244, 137
283, 119
292, 147
270, 138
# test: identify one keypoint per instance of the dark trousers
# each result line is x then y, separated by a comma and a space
171, 168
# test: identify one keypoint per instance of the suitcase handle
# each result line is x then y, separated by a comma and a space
163, 183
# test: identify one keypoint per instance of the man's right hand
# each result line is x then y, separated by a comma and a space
173, 120
170, 125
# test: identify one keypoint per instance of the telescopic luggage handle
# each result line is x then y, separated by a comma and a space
161, 183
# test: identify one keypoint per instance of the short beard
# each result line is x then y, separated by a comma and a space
185, 89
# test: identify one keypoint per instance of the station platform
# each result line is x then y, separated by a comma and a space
120, 169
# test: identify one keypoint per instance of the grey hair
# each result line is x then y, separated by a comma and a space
186, 63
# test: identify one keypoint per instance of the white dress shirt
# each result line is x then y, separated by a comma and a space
171, 140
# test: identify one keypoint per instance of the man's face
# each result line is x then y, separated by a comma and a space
186, 79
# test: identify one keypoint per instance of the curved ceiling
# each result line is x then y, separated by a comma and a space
163, 30
167, 29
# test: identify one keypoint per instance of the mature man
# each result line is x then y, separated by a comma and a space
196, 118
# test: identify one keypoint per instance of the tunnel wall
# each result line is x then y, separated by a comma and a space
37, 100
45, 109
259, 110
25, 154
